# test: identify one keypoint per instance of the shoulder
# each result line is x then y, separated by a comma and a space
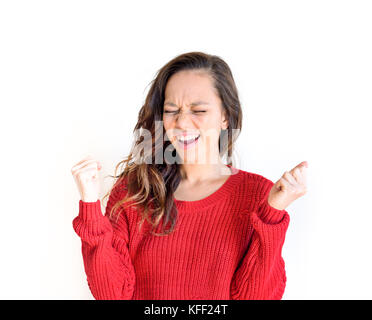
119, 189
254, 186
255, 179
117, 193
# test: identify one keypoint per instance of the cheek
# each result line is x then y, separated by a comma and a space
168, 130
210, 126
167, 123
202, 122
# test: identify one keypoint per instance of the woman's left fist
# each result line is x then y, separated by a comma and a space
289, 187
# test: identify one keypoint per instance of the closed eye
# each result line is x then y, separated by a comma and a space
166, 111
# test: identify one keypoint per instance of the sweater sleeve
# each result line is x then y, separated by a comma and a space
261, 274
108, 267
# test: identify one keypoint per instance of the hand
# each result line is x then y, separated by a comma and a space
85, 174
289, 187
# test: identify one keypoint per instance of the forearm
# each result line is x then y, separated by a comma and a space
261, 274
109, 269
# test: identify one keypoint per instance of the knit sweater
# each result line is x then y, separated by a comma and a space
226, 246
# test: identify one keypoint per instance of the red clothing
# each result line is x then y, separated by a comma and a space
225, 246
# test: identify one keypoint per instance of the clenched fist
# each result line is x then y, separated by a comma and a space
85, 174
289, 187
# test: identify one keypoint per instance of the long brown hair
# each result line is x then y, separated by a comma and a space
151, 185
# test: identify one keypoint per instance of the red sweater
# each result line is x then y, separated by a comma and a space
225, 246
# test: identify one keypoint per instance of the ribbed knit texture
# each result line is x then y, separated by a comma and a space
225, 246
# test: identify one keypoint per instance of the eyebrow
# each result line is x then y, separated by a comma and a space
196, 103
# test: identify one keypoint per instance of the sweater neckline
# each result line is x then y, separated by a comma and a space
225, 190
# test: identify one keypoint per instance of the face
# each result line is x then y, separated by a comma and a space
193, 116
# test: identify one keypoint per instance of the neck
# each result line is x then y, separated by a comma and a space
194, 173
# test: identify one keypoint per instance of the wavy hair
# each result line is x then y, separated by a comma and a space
151, 185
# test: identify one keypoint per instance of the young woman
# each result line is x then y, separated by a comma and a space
179, 223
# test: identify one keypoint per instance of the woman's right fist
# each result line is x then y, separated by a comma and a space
85, 173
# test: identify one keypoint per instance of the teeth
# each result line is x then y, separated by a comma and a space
187, 138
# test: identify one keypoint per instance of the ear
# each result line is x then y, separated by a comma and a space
225, 122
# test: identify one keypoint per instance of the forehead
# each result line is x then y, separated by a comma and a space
189, 86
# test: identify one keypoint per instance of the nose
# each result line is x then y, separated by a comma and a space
183, 119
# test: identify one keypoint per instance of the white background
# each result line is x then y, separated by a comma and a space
74, 74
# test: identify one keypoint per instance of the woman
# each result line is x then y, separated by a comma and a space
226, 226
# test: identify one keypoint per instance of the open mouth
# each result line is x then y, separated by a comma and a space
188, 140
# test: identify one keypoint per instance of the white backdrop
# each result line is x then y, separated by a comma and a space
74, 74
